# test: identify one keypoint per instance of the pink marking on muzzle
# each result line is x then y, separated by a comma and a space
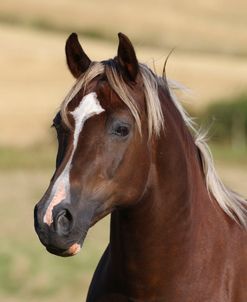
58, 197
74, 249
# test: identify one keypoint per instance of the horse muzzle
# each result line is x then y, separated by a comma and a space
65, 234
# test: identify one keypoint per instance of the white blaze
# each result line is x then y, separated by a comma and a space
88, 107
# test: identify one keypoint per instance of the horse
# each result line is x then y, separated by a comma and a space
126, 147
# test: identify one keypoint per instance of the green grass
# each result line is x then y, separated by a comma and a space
34, 157
229, 155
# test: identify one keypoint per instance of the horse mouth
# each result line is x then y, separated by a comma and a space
71, 251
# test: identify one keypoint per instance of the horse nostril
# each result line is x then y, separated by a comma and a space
63, 222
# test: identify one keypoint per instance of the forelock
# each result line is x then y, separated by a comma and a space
120, 87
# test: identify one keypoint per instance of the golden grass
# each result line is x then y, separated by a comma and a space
34, 78
214, 25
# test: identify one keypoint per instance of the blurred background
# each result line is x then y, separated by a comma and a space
210, 58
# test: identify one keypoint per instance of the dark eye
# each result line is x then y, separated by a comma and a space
121, 130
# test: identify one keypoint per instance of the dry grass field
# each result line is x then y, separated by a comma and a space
217, 26
210, 56
34, 78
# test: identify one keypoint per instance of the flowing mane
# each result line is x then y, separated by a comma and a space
231, 203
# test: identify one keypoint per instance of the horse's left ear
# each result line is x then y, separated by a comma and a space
78, 62
127, 57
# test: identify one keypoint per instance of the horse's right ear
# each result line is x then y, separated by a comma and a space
127, 57
78, 62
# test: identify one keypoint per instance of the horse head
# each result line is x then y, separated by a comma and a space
103, 157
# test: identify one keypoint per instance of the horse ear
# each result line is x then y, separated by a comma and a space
127, 57
78, 62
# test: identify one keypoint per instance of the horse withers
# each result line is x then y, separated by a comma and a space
127, 148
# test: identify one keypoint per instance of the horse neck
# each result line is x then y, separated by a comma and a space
165, 223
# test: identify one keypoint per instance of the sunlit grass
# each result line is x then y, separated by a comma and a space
35, 79
229, 155
192, 25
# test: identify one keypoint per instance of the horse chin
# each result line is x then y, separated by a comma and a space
71, 251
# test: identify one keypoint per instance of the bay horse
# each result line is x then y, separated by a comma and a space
126, 147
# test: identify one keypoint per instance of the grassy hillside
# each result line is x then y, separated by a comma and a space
210, 57
210, 26
34, 78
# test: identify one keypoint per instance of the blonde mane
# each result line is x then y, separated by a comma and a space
234, 205
155, 115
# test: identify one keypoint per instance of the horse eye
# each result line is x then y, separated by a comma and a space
121, 130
